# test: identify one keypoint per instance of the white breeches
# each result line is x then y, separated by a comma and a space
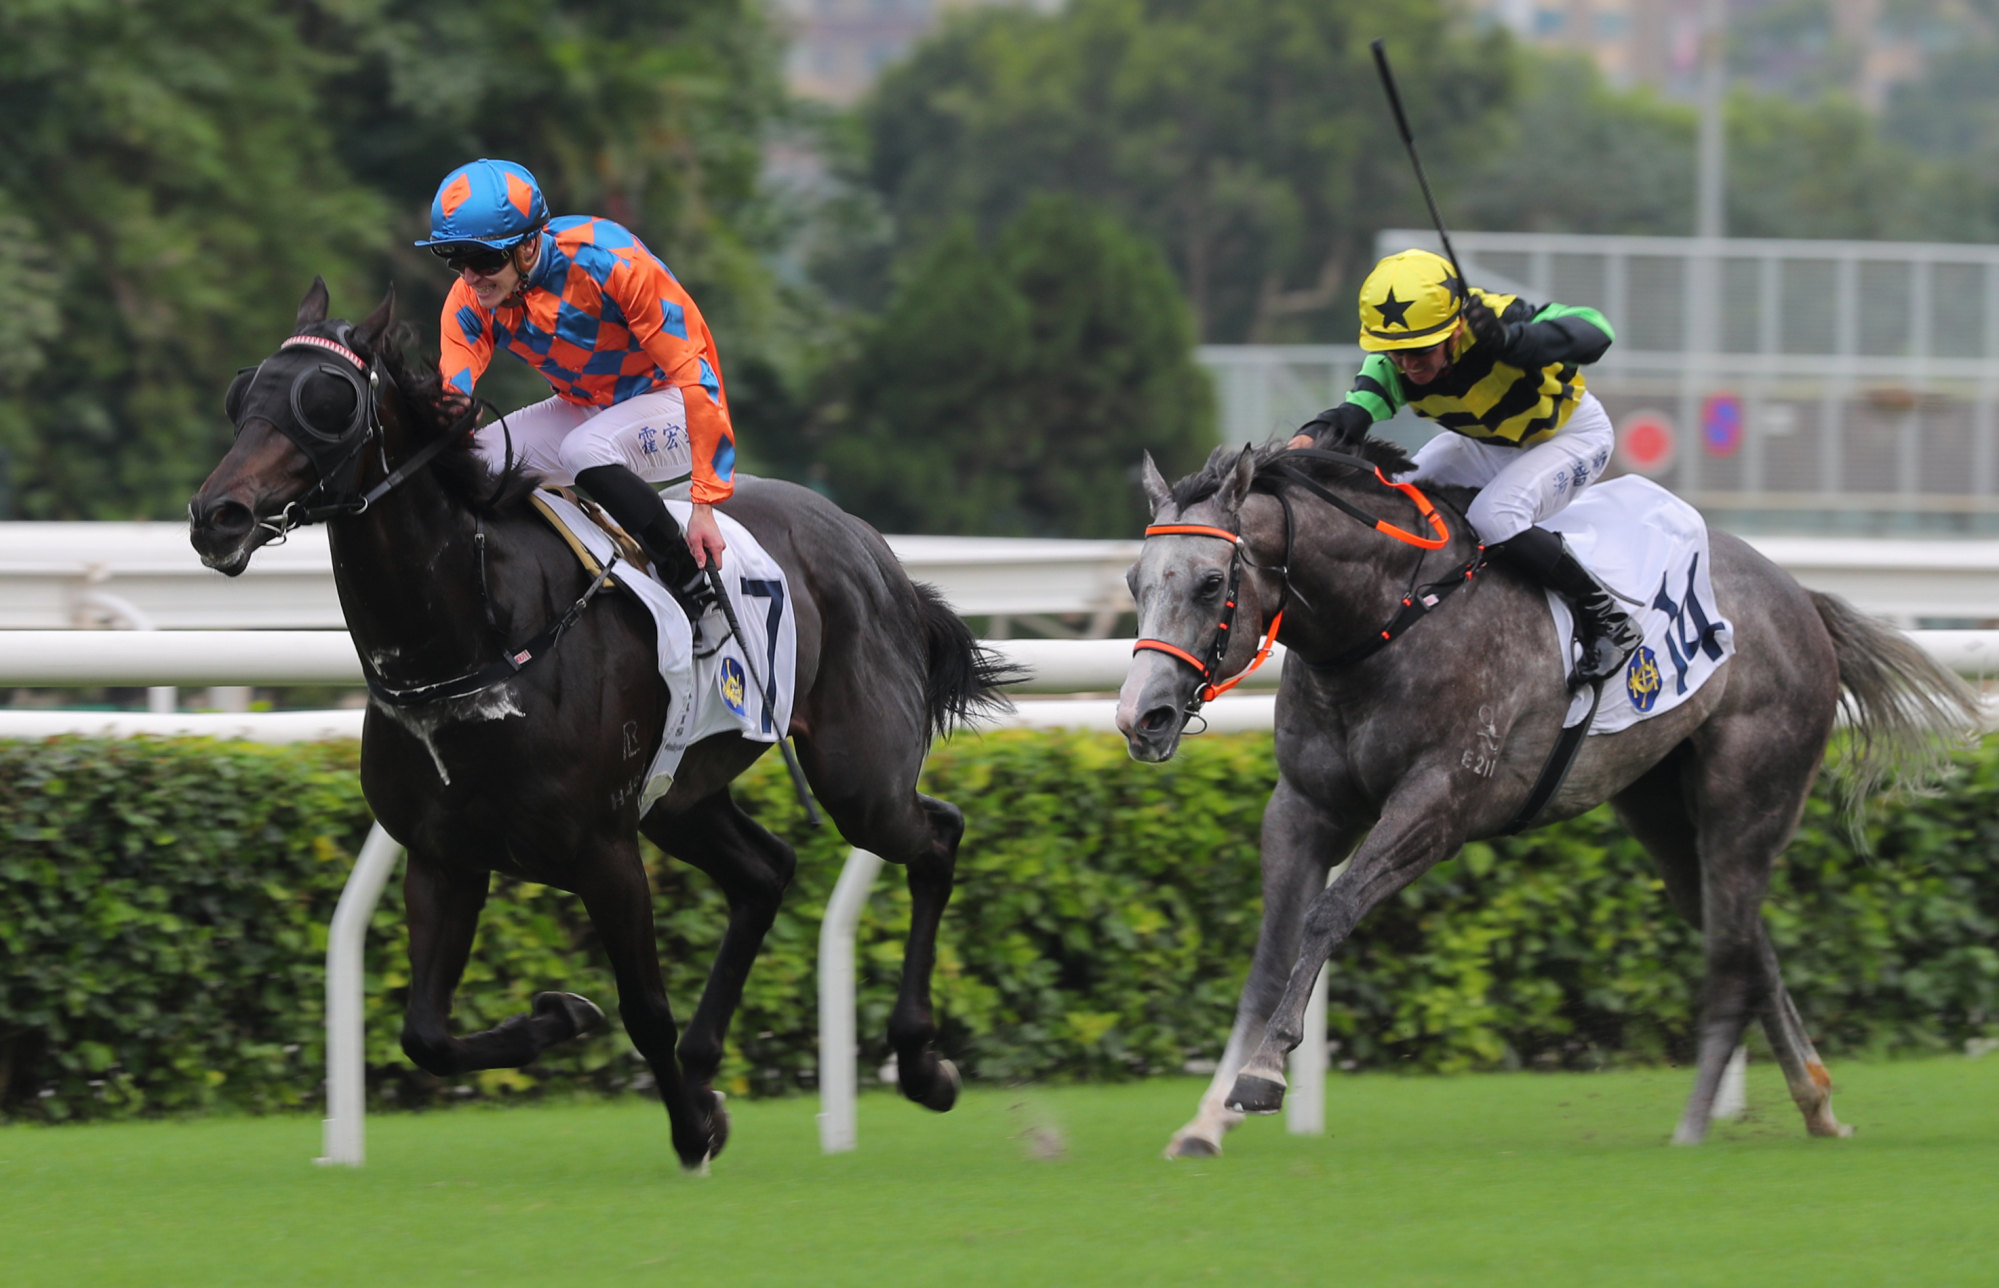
1520, 486
558, 439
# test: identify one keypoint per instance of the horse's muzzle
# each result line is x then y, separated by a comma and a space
1148, 715
224, 532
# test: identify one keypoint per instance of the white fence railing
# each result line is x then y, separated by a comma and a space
61, 575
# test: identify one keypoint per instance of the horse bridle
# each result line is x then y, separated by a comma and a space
1416, 600
335, 456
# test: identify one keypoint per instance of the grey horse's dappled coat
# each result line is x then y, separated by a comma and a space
1394, 761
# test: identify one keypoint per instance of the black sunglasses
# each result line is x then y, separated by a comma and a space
481, 259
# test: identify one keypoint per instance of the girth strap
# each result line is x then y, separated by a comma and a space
515, 661
1560, 761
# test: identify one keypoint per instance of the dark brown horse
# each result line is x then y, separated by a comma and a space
444, 570
1391, 757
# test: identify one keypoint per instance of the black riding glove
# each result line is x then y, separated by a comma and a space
1338, 427
1487, 329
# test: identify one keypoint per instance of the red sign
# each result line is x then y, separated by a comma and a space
1646, 442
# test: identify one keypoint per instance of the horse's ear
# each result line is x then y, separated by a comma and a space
1236, 486
312, 308
1157, 494
373, 327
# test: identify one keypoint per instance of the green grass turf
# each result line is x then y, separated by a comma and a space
1531, 1179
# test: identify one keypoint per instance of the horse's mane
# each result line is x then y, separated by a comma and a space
459, 468
1206, 481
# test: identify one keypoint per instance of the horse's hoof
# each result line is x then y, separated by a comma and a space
1254, 1095
1192, 1147
944, 1087
582, 1013
718, 1126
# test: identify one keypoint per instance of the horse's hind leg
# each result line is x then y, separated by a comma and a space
443, 904
1747, 784
753, 869
1804, 1072
612, 882
874, 802
1655, 810
1300, 845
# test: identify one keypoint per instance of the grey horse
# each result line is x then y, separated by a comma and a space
1395, 759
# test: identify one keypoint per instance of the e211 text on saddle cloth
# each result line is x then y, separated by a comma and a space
718, 693
1650, 545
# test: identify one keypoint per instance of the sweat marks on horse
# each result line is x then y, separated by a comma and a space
1393, 761
444, 568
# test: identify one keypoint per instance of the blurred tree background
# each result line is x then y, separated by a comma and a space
962, 306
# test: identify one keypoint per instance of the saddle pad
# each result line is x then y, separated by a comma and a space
1649, 545
718, 692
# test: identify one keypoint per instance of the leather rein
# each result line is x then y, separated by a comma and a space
1417, 601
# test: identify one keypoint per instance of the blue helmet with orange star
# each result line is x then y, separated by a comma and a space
1410, 301
492, 203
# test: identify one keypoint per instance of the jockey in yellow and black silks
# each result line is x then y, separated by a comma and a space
1505, 378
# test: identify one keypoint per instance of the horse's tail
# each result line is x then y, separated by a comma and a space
964, 678
1905, 712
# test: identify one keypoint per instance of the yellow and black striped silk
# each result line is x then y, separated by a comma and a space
1479, 395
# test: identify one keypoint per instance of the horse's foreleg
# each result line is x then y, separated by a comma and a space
612, 882
1410, 839
442, 905
753, 868
1299, 845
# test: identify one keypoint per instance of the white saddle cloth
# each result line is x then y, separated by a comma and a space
1648, 545
718, 693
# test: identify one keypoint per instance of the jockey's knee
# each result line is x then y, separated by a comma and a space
582, 451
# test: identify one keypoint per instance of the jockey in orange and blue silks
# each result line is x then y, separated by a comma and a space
638, 399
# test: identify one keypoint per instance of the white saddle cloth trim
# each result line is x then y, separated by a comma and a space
1645, 543
718, 693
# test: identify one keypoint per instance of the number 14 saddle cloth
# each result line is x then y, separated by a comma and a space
1649, 545
719, 691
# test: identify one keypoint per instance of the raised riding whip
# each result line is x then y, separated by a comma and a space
1380, 49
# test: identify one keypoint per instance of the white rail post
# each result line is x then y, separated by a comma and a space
346, 1039
1305, 1103
839, 1055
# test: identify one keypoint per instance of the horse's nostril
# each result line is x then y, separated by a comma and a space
227, 519
1156, 719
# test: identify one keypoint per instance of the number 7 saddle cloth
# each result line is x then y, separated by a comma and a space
720, 691
1650, 546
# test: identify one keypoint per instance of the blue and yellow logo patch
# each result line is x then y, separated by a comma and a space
730, 683
1641, 678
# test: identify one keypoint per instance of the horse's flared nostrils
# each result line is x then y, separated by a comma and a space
1152, 705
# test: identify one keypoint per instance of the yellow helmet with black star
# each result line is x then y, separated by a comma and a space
1410, 301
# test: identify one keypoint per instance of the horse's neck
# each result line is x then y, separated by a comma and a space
409, 578
1339, 605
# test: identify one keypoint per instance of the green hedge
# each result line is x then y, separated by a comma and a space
163, 911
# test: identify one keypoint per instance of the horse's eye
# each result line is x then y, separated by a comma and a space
1211, 585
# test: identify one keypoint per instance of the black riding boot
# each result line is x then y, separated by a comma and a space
639, 511
1609, 634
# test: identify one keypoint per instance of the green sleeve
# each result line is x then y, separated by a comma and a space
1378, 387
